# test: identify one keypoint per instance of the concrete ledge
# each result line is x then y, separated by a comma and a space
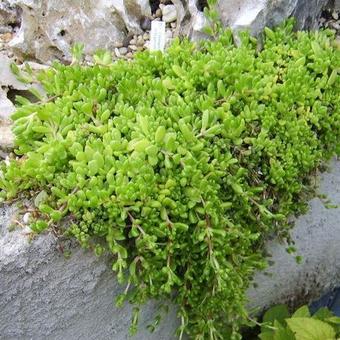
45, 296
317, 240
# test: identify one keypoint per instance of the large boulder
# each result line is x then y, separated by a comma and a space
43, 295
256, 14
49, 28
252, 15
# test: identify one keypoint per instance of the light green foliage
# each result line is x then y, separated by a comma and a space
181, 164
278, 325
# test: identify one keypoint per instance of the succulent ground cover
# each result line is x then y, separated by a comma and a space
181, 164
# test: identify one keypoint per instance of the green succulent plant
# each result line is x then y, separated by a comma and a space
181, 164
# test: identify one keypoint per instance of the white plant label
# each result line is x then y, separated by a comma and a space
157, 36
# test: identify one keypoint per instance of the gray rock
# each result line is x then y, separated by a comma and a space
123, 50
252, 15
158, 13
256, 14
133, 47
140, 41
117, 54
118, 44
145, 24
49, 28
6, 140
337, 5
7, 78
190, 20
6, 107
169, 13
8, 14
43, 295
335, 25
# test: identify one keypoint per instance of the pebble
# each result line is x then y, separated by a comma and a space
330, 20
133, 47
147, 45
117, 53
335, 25
88, 60
146, 36
118, 44
173, 24
133, 41
145, 24
123, 50
169, 13
158, 13
26, 218
140, 41
126, 40
6, 37
129, 55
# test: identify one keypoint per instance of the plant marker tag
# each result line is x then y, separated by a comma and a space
157, 36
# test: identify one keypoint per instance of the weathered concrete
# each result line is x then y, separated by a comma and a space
317, 239
45, 296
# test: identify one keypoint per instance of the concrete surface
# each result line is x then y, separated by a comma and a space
317, 240
44, 296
